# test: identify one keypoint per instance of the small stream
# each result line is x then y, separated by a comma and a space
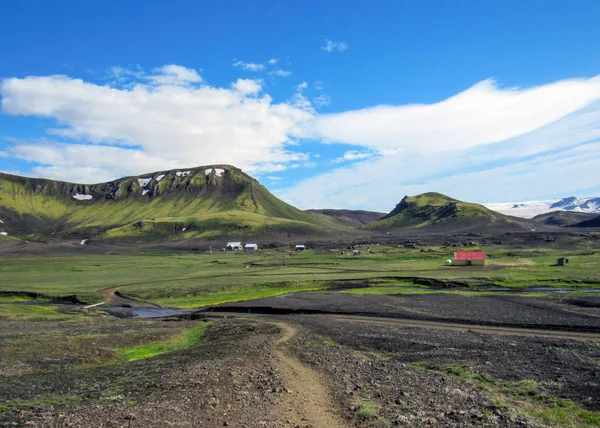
125, 311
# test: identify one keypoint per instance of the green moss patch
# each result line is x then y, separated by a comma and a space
185, 340
32, 313
237, 294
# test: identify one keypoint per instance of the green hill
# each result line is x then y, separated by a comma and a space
563, 218
352, 218
443, 212
203, 202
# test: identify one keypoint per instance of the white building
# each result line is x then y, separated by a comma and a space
234, 246
251, 247
300, 247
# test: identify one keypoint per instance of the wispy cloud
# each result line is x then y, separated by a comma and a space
482, 114
280, 72
482, 144
360, 185
173, 74
331, 46
299, 100
170, 74
121, 75
353, 155
249, 66
322, 100
268, 67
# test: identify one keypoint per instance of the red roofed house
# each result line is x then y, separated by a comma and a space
469, 258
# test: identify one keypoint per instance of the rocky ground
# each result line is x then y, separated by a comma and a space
581, 314
313, 370
388, 363
229, 380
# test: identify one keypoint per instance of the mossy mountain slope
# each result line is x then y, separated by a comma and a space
435, 209
202, 202
352, 218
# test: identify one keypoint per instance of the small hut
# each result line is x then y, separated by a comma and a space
469, 258
300, 247
234, 246
562, 261
251, 247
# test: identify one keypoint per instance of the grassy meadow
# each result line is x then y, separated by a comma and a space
192, 280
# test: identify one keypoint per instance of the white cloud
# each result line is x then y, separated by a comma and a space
248, 86
174, 75
322, 100
480, 115
165, 124
268, 66
249, 66
353, 155
274, 178
121, 74
280, 73
482, 144
559, 159
331, 46
273, 167
88, 163
300, 101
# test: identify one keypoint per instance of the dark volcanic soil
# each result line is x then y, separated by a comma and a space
567, 368
501, 310
230, 379
262, 370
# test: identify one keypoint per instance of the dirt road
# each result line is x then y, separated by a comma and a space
399, 322
308, 401
112, 297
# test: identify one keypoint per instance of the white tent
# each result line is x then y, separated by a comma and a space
251, 247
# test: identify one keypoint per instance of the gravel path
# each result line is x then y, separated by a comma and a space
308, 400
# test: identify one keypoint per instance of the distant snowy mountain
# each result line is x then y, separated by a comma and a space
532, 208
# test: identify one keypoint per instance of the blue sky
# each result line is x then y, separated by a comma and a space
330, 104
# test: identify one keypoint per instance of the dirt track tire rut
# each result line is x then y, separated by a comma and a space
308, 401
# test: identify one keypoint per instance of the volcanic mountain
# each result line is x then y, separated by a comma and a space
438, 211
204, 202
563, 218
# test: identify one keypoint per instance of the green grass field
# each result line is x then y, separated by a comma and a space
192, 280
